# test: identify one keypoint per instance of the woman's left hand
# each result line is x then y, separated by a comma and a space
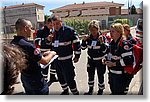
110, 64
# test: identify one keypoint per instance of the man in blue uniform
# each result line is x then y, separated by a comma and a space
31, 77
44, 45
64, 42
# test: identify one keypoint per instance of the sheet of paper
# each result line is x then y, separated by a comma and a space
44, 66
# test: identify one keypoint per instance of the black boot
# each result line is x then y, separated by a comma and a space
90, 92
65, 92
100, 92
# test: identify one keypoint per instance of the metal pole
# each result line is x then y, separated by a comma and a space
4, 19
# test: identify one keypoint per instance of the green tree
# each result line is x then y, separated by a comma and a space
133, 10
122, 21
45, 18
80, 26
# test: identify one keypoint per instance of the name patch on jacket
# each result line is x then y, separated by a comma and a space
36, 51
56, 43
93, 43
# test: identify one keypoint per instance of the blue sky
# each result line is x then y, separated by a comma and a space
52, 4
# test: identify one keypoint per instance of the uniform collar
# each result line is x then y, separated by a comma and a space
20, 37
46, 28
130, 37
117, 40
98, 34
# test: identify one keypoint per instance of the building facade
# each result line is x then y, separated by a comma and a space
33, 12
89, 11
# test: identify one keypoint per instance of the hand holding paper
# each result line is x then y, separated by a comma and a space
44, 66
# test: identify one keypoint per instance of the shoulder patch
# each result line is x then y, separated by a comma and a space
126, 47
36, 51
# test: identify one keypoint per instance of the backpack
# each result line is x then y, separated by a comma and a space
138, 60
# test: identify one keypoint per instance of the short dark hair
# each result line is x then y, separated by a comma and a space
49, 19
55, 18
20, 23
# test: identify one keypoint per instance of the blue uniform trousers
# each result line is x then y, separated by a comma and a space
119, 83
34, 86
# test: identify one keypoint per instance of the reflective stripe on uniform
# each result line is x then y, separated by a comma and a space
90, 47
45, 75
97, 58
83, 47
37, 39
52, 72
104, 51
64, 86
39, 42
77, 52
90, 82
91, 85
127, 54
66, 57
94, 47
101, 86
44, 50
75, 89
122, 62
115, 72
75, 41
63, 43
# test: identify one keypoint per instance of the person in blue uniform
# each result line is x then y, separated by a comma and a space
96, 52
120, 55
64, 42
32, 79
131, 39
44, 45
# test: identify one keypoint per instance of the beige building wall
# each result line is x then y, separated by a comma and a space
32, 12
12, 14
100, 13
40, 14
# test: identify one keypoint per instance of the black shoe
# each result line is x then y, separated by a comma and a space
100, 92
65, 92
88, 93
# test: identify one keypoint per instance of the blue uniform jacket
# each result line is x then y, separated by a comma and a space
33, 56
41, 38
99, 50
121, 52
65, 42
